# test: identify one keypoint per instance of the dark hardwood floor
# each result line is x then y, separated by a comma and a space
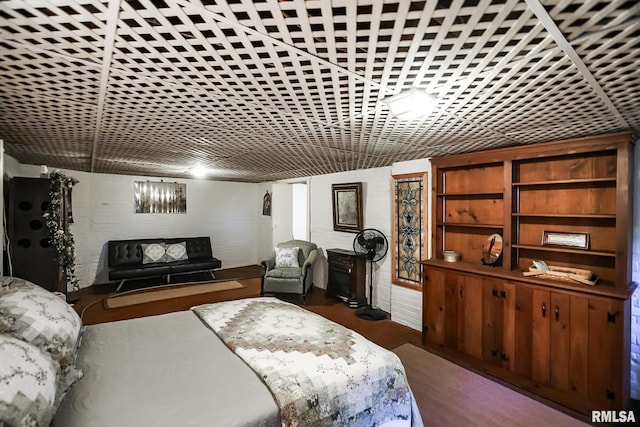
386, 333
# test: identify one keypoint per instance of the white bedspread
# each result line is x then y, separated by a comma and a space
320, 373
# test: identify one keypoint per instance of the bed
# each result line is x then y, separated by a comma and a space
250, 362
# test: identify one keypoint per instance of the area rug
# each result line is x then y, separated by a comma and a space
449, 395
159, 293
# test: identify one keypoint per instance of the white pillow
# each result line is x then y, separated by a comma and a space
28, 386
8, 283
176, 252
152, 252
287, 257
37, 316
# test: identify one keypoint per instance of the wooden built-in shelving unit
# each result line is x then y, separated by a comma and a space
564, 340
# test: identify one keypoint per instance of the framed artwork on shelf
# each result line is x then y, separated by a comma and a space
567, 240
347, 207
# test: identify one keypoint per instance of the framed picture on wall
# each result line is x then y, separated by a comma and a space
347, 207
266, 204
159, 197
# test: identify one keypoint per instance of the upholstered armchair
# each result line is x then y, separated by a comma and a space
289, 270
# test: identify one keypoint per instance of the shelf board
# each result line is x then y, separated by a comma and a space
552, 215
564, 250
469, 225
492, 194
567, 182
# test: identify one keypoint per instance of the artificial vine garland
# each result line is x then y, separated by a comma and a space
61, 238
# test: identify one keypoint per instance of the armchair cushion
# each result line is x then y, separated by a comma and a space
285, 272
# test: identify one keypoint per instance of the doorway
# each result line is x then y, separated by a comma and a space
299, 211
290, 212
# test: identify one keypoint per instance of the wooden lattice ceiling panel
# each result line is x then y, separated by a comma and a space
267, 90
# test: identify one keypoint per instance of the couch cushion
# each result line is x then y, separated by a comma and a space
133, 272
197, 247
194, 265
126, 252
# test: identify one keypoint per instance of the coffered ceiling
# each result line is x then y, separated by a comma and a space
265, 90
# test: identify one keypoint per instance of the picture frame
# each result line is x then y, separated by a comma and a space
266, 204
159, 197
347, 207
565, 240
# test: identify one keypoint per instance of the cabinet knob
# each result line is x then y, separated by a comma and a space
544, 309
557, 313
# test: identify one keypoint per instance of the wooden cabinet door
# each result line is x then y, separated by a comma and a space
574, 348
453, 311
578, 351
498, 322
523, 340
541, 336
470, 289
463, 313
433, 306
561, 327
606, 366
555, 343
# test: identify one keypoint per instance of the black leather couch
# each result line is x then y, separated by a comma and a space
125, 259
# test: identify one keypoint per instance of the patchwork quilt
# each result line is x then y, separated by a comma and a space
320, 373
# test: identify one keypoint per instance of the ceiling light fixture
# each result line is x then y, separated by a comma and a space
198, 172
411, 105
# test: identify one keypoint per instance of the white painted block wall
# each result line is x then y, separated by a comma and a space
376, 214
405, 305
230, 213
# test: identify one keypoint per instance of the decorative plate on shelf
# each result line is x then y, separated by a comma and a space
492, 250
